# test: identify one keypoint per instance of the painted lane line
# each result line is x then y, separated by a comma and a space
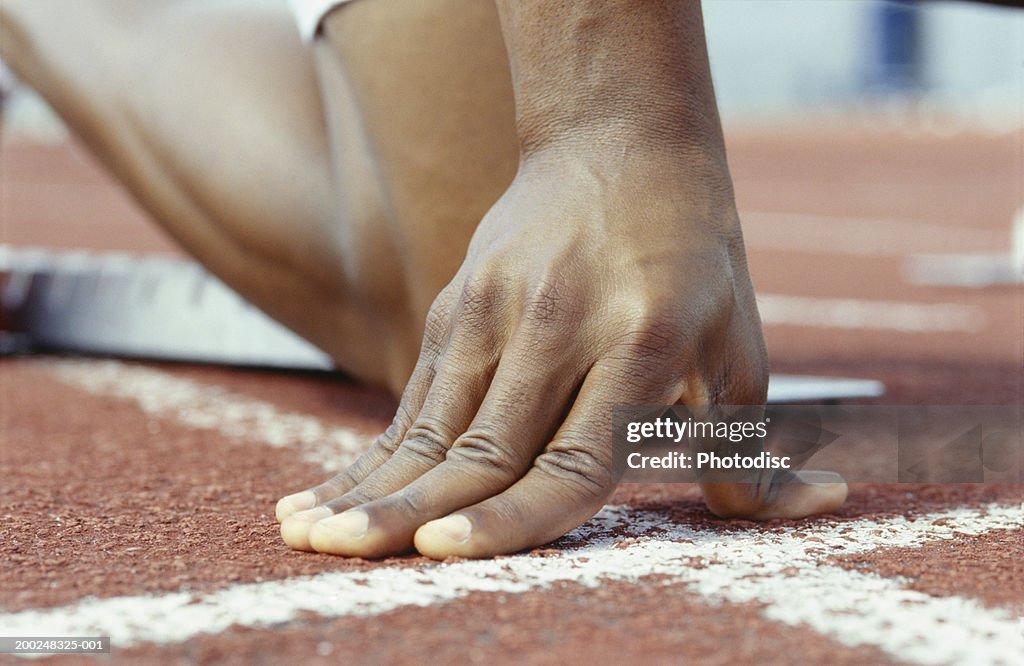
206, 407
817, 234
783, 569
860, 314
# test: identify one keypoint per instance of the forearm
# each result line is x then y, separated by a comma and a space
611, 73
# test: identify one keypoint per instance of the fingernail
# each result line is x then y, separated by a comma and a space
295, 528
286, 506
456, 527
819, 478
351, 524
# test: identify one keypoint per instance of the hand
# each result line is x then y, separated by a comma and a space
595, 281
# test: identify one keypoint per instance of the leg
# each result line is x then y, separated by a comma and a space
210, 114
424, 143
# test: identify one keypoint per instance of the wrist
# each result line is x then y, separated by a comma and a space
696, 173
610, 74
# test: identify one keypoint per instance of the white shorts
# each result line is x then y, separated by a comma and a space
310, 13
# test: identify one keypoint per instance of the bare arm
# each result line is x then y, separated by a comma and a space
612, 73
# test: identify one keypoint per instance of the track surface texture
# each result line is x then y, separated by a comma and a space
137, 498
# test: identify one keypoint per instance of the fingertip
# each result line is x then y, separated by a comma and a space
798, 495
831, 488
340, 534
444, 537
820, 477
833, 495
807, 497
290, 504
295, 528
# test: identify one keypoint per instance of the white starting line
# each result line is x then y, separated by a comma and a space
787, 570
203, 407
784, 570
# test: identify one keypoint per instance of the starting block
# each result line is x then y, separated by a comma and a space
168, 309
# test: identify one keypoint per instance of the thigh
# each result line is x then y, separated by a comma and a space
209, 112
213, 101
339, 198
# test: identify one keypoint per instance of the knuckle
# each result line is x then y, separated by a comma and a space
480, 299
578, 466
413, 501
650, 354
482, 450
657, 334
653, 343
403, 418
391, 439
639, 376
438, 321
352, 498
550, 301
479, 295
435, 331
744, 383
337, 483
427, 439
740, 376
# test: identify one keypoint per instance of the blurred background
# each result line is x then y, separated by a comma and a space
864, 137
936, 64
